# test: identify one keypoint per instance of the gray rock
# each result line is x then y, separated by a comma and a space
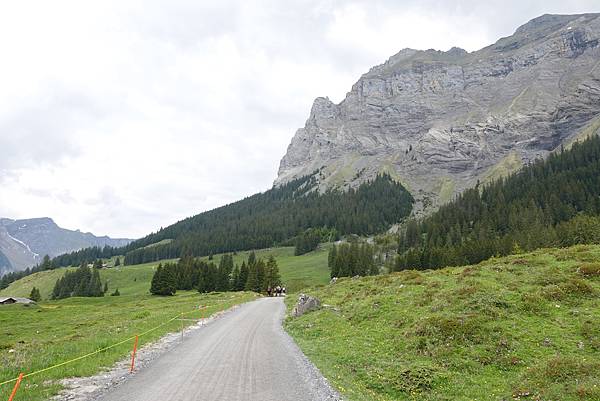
439, 122
306, 303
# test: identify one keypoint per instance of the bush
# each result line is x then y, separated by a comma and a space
589, 269
35, 295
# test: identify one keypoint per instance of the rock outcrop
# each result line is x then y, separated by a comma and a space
305, 304
439, 122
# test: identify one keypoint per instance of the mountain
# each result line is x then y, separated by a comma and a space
24, 242
439, 122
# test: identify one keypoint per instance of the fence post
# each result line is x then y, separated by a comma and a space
17, 384
181, 326
135, 343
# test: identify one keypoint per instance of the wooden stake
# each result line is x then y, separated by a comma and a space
135, 343
17, 384
181, 326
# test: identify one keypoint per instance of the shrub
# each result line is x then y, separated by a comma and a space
589, 269
590, 330
440, 329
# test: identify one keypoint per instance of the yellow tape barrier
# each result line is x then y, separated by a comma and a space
104, 349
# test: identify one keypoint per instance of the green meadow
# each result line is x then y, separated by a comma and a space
297, 272
35, 337
524, 327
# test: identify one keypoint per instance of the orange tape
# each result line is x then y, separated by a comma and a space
17, 384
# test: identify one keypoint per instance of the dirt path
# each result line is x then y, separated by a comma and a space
244, 356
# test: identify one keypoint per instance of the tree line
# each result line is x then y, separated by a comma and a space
354, 259
83, 282
191, 273
8, 278
551, 202
276, 216
291, 214
310, 239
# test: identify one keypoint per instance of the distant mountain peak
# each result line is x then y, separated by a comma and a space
24, 241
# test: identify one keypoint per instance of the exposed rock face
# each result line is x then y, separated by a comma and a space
441, 121
305, 304
25, 242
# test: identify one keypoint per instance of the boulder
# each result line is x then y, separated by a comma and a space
306, 303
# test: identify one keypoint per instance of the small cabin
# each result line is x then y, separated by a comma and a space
15, 300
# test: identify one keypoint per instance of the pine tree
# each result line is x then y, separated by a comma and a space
252, 283
244, 273
116, 293
235, 279
260, 276
46, 263
251, 259
105, 287
57, 289
224, 273
156, 282
95, 285
35, 295
117, 262
272, 277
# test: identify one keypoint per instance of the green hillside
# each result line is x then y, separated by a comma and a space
272, 218
551, 202
296, 272
521, 327
35, 337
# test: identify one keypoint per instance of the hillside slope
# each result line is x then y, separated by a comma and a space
272, 218
552, 202
441, 121
520, 327
297, 272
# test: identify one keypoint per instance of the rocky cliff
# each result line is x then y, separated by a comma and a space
441, 121
23, 243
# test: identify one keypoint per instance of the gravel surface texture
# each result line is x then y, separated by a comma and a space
242, 355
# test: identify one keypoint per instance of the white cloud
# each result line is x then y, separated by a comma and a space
119, 117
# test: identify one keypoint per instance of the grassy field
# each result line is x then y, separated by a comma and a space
35, 337
297, 272
130, 280
524, 327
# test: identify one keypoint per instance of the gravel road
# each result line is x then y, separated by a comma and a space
245, 356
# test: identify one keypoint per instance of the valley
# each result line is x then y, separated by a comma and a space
55, 331
437, 231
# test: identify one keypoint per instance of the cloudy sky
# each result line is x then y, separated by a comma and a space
119, 117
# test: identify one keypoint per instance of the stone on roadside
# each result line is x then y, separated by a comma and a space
306, 303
